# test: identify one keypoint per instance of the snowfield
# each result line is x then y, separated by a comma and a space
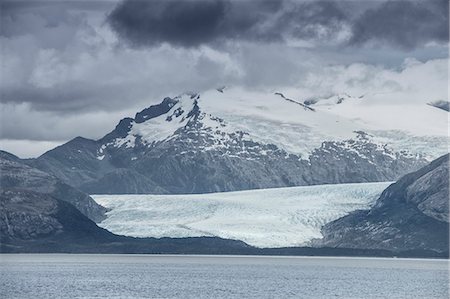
280, 217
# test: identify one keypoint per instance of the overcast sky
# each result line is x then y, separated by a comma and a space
75, 68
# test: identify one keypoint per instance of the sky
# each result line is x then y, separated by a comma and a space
75, 68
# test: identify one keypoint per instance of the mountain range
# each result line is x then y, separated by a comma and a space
229, 139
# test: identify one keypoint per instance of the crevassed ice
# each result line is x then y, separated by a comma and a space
279, 217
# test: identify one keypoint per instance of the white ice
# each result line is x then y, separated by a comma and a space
280, 217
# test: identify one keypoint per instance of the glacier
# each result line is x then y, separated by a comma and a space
278, 217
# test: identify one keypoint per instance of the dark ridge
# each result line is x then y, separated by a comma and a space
120, 131
76, 143
444, 105
295, 102
221, 89
155, 110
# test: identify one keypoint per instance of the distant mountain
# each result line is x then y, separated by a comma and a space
411, 214
229, 139
18, 178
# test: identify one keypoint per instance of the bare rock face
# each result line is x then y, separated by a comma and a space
430, 193
27, 215
39, 222
411, 214
15, 175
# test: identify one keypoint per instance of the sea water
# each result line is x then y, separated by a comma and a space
179, 276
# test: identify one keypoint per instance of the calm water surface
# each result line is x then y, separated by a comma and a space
164, 276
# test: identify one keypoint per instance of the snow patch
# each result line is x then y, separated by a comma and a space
129, 141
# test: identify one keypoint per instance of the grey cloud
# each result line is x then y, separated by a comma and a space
195, 22
52, 24
399, 23
407, 24
66, 97
54, 27
20, 122
312, 20
9, 7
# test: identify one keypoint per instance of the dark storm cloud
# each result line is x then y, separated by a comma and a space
176, 22
190, 23
407, 24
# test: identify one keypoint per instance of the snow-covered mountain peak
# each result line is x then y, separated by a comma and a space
177, 113
246, 139
282, 118
163, 121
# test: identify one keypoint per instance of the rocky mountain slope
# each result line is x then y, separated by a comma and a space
18, 178
412, 213
225, 140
